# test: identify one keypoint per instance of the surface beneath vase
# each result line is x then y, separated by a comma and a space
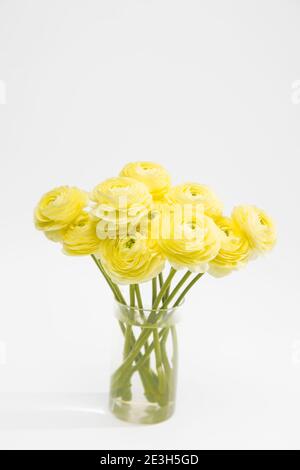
140, 412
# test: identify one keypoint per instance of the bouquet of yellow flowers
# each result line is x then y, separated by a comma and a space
133, 225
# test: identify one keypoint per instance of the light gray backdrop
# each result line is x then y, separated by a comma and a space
211, 90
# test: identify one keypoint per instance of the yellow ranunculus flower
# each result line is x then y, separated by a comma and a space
192, 242
131, 260
116, 192
153, 175
256, 226
234, 252
195, 194
57, 209
119, 201
80, 237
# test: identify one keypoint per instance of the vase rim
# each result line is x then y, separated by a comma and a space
148, 308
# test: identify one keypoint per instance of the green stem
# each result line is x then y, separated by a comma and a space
139, 342
162, 363
179, 300
114, 288
129, 332
177, 288
147, 375
131, 295
158, 355
164, 289
128, 345
140, 305
144, 358
186, 289
147, 331
154, 290
161, 280
139, 301
158, 360
163, 342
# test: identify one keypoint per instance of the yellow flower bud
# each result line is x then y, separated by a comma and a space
234, 252
153, 175
131, 260
256, 226
57, 209
195, 194
80, 237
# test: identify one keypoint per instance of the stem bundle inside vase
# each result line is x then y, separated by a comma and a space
139, 229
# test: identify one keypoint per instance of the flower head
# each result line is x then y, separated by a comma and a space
131, 260
80, 237
195, 194
119, 201
153, 175
234, 252
193, 242
57, 209
256, 226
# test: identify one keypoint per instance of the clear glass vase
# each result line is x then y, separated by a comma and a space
143, 383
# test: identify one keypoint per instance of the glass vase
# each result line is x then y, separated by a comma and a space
143, 382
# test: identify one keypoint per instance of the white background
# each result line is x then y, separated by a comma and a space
205, 88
